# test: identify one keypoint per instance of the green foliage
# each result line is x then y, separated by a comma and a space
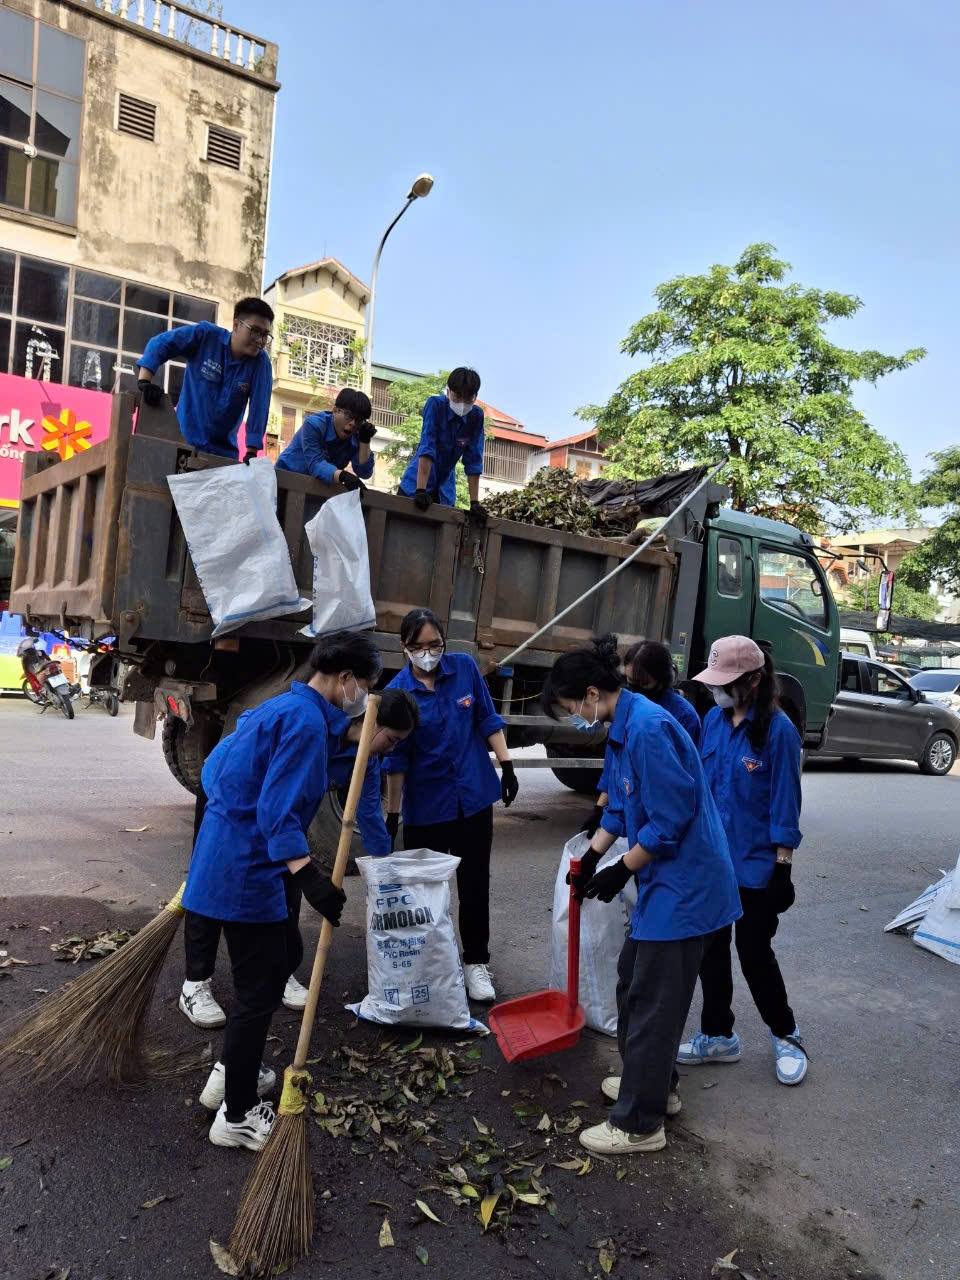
740, 365
937, 559
908, 602
409, 398
551, 499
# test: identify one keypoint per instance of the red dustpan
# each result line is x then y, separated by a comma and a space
546, 1021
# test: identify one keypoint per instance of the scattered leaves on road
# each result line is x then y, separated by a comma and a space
428, 1212
725, 1263
422, 1254
607, 1256
386, 1235
223, 1259
5, 1163
102, 944
487, 1207
152, 1204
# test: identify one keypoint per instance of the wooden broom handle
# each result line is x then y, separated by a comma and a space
339, 867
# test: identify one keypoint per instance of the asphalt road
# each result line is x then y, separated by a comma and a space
865, 1152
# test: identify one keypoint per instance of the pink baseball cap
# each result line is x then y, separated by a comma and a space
730, 658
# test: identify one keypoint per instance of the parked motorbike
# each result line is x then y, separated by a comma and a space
96, 695
44, 682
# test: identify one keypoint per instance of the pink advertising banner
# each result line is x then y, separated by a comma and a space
37, 415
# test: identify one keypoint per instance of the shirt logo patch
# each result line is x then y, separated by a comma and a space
466, 701
211, 369
750, 764
627, 784
244, 386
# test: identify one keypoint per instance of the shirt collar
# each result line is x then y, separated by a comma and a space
410, 681
618, 726
337, 721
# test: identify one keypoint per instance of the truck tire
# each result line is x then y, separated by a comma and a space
323, 834
585, 782
184, 752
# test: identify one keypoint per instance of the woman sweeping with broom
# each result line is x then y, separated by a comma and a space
251, 862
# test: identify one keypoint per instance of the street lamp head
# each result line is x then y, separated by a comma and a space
422, 186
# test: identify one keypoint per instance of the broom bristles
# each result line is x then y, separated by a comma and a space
91, 1028
274, 1225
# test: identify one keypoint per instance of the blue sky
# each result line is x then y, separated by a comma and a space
584, 153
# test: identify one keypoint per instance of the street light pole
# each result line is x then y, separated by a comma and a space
422, 187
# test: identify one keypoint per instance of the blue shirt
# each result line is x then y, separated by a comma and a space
757, 792
446, 759
446, 439
659, 798
370, 823
264, 784
316, 450
216, 387
682, 711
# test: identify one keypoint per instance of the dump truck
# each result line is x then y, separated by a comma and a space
100, 551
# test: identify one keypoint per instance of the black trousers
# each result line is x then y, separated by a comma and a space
655, 985
754, 932
262, 957
470, 840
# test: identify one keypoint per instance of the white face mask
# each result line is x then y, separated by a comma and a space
423, 658
459, 407
723, 699
356, 705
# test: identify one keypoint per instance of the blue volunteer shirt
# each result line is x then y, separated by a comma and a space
316, 450
446, 760
446, 439
264, 784
216, 388
370, 823
659, 799
682, 711
757, 792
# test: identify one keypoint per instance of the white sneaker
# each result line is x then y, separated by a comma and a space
198, 1005
479, 982
295, 994
214, 1089
251, 1132
607, 1140
610, 1088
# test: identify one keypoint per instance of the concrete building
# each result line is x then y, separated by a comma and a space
582, 454
135, 150
892, 545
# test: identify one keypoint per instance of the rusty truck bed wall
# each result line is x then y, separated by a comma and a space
100, 549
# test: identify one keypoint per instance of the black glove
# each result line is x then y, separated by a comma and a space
350, 482
250, 453
320, 891
365, 432
589, 828
151, 393
422, 500
478, 513
606, 884
393, 826
588, 865
509, 786
780, 890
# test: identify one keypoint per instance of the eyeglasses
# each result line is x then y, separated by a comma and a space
263, 336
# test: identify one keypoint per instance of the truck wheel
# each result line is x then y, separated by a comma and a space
938, 755
324, 833
585, 782
184, 752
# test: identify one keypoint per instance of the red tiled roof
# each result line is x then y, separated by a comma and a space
499, 415
521, 437
572, 440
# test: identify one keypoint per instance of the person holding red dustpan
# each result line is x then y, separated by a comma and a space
686, 887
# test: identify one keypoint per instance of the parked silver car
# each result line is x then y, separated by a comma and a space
939, 684
877, 715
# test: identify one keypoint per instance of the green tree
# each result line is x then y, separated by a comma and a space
937, 559
409, 398
908, 601
739, 364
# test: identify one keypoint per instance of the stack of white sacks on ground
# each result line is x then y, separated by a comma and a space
934, 918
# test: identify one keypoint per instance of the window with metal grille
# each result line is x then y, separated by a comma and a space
321, 353
136, 117
505, 460
223, 147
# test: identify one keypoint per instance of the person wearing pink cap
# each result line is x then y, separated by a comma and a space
751, 758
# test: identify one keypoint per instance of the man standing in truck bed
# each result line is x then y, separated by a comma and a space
452, 429
227, 371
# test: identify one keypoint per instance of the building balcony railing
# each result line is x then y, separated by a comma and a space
185, 26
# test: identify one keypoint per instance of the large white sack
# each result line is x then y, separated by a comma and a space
603, 927
939, 931
414, 976
229, 520
341, 567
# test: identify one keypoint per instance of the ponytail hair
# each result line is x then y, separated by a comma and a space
765, 699
576, 671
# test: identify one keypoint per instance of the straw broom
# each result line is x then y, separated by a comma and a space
91, 1028
274, 1226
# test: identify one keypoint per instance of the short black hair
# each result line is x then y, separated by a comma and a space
464, 382
253, 307
652, 658
575, 671
398, 710
347, 651
414, 623
356, 403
